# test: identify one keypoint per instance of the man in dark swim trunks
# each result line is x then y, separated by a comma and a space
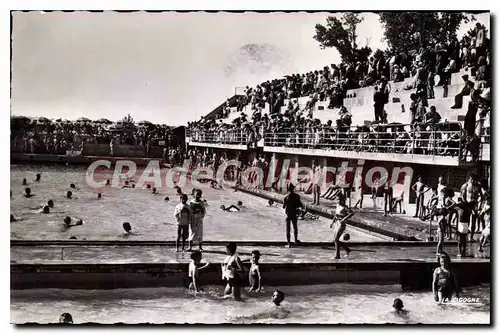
38, 176
291, 204
27, 193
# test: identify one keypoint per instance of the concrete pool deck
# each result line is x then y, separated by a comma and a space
370, 218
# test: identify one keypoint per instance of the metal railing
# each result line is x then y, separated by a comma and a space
443, 139
230, 137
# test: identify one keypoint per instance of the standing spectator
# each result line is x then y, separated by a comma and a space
198, 213
291, 204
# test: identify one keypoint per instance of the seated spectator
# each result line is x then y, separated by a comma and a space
432, 116
469, 86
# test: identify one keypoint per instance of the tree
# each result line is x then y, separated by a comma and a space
473, 33
128, 119
341, 34
412, 30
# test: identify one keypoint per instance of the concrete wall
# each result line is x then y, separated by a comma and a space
141, 275
121, 150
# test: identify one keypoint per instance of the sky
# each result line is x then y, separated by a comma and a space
163, 67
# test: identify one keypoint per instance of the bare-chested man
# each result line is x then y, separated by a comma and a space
471, 193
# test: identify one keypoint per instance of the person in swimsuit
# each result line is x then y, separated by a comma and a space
342, 214
463, 211
127, 228
38, 176
126, 185
291, 204
66, 318
231, 271
486, 233
194, 271
68, 222
45, 209
237, 207
27, 193
444, 283
99, 196
178, 190
153, 191
485, 194
470, 193
72, 186
25, 182
316, 187
388, 198
399, 307
420, 189
254, 275
69, 195
198, 208
183, 215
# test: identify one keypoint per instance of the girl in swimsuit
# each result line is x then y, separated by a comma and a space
342, 213
254, 274
444, 283
231, 269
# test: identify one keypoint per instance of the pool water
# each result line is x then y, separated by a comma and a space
149, 214
320, 304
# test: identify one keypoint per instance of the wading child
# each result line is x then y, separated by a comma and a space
254, 275
183, 216
194, 271
231, 271
444, 283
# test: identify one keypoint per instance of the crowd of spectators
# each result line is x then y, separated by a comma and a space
425, 68
59, 136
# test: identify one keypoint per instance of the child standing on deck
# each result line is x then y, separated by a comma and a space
254, 274
194, 270
183, 216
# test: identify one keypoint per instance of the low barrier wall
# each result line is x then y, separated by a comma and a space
412, 275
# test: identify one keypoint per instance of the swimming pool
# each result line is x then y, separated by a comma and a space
147, 213
319, 304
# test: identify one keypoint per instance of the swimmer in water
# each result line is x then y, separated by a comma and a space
50, 203
99, 196
399, 307
215, 185
128, 229
444, 283
45, 209
254, 274
127, 185
69, 194
38, 176
27, 193
194, 271
148, 186
153, 191
178, 190
25, 182
231, 271
66, 318
167, 199
72, 186
108, 182
68, 221
12, 218
237, 207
